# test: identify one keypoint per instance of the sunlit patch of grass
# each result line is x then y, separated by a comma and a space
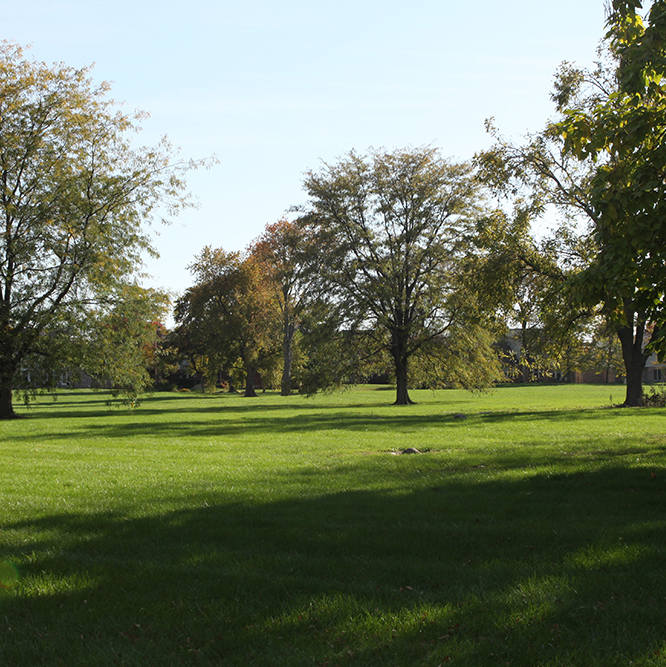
596, 557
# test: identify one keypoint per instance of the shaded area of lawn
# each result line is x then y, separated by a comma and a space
72, 404
213, 416
548, 569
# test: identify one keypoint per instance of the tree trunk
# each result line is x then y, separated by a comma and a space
634, 362
400, 357
288, 354
402, 394
6, 407
249, 382
634, 395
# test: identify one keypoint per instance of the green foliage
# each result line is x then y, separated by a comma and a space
287, 255
74, 195
228, 320
604, 352
656, 397
526, 280
603, 164
393, 231
623, 135
163, 359
121, 342
330, 358
464, 358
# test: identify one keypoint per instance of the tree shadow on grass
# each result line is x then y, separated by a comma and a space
67, 404
230, 419
564, 570
216, 404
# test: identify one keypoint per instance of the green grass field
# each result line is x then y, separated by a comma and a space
219, 530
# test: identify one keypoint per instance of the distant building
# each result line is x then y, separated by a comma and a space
521, 366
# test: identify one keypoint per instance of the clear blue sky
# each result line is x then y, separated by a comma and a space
272, 87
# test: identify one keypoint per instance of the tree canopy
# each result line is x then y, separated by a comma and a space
119, 341
229, 317
622, 134
394, 230
286, 255
601, 163
412, 263
74, 196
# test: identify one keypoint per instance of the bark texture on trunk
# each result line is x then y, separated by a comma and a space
249, 382
634, 362
6, 406
7, 371
401, 358
402, 394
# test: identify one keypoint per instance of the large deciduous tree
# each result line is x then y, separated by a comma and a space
603, 163
623, 136
285, 253
393, 233
229, 315
74, 193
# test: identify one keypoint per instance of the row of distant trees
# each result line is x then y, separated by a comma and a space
400, 259
394, 269
376, 272
408, 257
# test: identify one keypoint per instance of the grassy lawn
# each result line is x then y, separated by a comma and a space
218, 530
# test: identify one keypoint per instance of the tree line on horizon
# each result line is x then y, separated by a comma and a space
401, 261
